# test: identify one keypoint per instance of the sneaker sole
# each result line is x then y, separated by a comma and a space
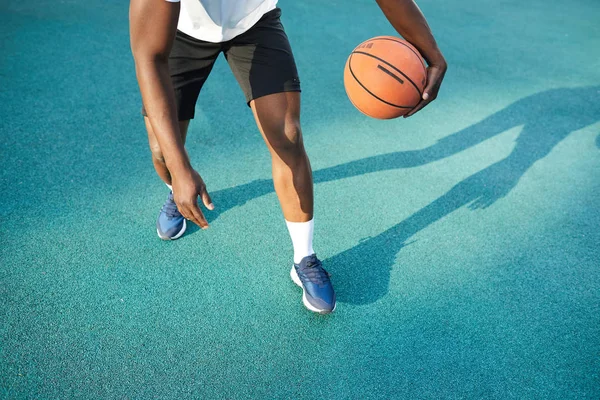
181, 232
296, 279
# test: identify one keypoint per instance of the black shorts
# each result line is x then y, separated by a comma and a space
261, 60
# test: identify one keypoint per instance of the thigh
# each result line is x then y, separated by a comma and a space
262, 60
190, 63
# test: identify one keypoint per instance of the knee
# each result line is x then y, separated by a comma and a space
287, 142
157, 155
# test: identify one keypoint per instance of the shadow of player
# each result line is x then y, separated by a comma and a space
362, 272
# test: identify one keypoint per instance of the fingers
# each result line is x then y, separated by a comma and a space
434, 80
201, 188
206, 199
198, 217
191, 212
421, 104
435, 75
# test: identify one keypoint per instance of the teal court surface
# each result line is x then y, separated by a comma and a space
463, 242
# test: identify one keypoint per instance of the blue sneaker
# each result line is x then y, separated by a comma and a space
318, 293
170, 224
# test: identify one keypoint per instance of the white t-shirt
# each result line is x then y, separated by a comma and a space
220, 20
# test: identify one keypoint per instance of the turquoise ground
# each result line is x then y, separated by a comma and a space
464, 242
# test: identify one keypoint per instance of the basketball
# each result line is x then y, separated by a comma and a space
384, 77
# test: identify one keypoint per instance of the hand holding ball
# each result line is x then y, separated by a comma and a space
384, 77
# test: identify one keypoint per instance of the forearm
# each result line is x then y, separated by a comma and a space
159, 102
406, 17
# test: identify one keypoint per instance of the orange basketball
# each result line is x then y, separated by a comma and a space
384, 77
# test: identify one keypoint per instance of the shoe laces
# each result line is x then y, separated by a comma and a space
314, 272
170, 208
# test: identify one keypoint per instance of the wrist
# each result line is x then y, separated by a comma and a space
179, 167
441, 64
438, 61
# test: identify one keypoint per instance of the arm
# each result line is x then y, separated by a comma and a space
406, 17
153, 25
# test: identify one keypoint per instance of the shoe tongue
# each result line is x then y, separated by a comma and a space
311, 261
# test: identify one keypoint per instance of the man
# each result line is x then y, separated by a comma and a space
175, 46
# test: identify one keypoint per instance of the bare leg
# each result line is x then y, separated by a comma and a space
157, 158
278, 119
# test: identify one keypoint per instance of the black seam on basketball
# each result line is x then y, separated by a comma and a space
368, 91
387, 71
403, 44
396, 69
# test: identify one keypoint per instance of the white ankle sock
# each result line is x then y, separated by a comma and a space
169, 186
302, 238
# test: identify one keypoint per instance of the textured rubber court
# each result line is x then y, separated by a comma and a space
464, 242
